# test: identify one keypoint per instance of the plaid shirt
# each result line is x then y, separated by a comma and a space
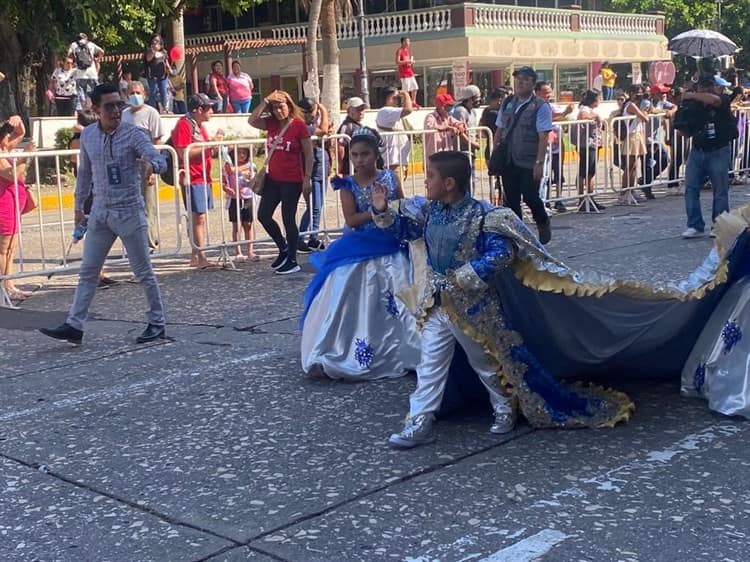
108, 166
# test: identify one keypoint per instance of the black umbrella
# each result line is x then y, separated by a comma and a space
702, 43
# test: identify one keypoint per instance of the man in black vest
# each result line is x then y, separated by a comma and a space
528, 120
711, 153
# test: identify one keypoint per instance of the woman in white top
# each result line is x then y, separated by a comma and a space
62, 88
588, 141
396, 148
634, 144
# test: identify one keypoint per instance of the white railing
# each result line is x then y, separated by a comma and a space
218, 37
597, 22
290, 32
526, 19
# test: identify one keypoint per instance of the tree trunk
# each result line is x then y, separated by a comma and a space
17, 53
178, 38
331, 83
311, 87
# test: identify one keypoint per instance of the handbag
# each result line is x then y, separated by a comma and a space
31, 202
500, 157
259, 180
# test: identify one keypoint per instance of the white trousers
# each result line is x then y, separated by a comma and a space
439, 336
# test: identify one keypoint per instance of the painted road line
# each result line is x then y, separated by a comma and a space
529, 548
116, 392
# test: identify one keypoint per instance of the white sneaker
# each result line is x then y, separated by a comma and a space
504, 422
416, 431
693, 233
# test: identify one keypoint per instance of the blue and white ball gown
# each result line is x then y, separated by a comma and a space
354, 327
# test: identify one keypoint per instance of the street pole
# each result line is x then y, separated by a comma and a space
365, 91
718, 22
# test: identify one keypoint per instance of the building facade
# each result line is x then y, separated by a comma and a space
479, 43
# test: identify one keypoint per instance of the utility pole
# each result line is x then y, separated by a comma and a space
364, 89
718, 14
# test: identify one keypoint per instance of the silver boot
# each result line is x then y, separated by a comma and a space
416, 431
505, 420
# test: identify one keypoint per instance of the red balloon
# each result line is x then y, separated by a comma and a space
175, 53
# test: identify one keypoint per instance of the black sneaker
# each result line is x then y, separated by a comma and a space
545, 232
303, 247
106, 282
560, 207
287, 267
316, 245
279, 261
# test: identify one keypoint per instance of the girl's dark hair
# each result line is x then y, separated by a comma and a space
214, 63
370, 137
589, 97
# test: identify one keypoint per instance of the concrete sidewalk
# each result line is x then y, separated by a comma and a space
211, 445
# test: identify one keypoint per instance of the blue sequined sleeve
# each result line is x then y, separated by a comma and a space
404, 218
496, 253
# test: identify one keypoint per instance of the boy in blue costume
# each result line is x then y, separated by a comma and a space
465, 244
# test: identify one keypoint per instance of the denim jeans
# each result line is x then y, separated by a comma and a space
316, 201
241, 106
104, 226
714, 165
155, 84
607, 93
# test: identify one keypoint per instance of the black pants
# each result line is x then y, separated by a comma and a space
519, 182
288, 195
65, 106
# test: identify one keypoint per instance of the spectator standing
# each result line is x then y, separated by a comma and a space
633, 145
13, 196
711, 152
62, 88
447, 128
466, 112
85, 54
124, 82
240, 88
315, 116
529, 120
405, 62
488, 119
677, 144
286, 180
557, 145
196, 184
113, 158
147, 118
608, 81
177, 86
239, 196
157, 72
589, 141
217, 87
355, 113
396, 107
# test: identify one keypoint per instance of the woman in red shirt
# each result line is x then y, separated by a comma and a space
288, 174
218, 87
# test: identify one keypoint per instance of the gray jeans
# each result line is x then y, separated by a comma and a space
104, 226
151, 201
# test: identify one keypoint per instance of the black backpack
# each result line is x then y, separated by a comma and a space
621, 127
82, 56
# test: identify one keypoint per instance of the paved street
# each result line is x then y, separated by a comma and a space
213, 446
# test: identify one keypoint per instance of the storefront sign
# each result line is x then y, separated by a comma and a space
460, 70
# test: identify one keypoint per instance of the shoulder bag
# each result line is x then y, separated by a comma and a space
259, 180
500, 157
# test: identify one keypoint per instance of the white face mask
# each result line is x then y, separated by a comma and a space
136, 100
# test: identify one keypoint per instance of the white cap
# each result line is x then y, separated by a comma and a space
355, 102
470, 92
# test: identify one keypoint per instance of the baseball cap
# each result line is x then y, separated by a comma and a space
444, 99
470, 92
199, 100
356, 103
306, 104
659, 88
527, 70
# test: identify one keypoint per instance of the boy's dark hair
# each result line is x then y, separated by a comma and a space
498, 94
102, 89
453, 164
86, 117
589, 97
541, 84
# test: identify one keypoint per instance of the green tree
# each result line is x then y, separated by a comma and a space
34, 32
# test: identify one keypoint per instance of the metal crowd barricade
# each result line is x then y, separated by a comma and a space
44, 244
217, 237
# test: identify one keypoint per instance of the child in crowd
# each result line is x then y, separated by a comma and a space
239, 196
464, 251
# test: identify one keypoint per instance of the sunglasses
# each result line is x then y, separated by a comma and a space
114, 105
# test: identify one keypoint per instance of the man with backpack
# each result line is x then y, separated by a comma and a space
85, 54
711, 152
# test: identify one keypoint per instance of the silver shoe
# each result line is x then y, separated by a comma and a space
505, 421
416, 431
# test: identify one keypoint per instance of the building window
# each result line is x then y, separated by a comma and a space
573, 82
